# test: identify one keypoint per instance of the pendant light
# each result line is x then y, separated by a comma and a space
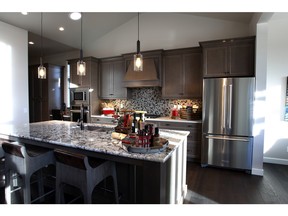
41, 68
138, 58
81, 65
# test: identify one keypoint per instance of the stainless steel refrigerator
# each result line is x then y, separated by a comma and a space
228, 122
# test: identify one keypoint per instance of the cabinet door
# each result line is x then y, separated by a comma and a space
215, 61
193, 139
38, 96
106, 86
192, 75
111, 76
74, 78
229, 57
80, 81
242, 59
173, 77
119, 91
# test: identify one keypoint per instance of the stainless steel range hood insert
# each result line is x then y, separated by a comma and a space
146, 78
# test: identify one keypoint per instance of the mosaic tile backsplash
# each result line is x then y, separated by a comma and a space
150, 100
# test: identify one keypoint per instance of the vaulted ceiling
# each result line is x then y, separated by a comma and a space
95, 25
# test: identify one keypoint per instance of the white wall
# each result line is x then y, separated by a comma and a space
165, 31
276, 130
260, 98
14, 90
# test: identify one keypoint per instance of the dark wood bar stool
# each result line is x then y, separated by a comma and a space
25, 160
82, 172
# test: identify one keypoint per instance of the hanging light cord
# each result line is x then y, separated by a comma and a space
41, 39
138, 26
81, 52
138, 42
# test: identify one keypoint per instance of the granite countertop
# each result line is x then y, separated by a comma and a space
163, 118
69, 134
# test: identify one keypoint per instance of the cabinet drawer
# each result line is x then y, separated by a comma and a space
194, 150
179, 125
102, 120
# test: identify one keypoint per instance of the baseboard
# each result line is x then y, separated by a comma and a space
258, 172
275, 160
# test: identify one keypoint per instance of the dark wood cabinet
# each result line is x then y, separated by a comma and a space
193, 140
229, 57
182, 73
89, 81
45, 94
111, 75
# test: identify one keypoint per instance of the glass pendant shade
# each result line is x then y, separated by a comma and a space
41, 72
138, 62
81, 68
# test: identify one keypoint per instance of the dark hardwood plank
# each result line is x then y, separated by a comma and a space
225, 186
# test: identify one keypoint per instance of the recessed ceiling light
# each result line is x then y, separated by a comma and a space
75, 16
24, 13
31, 42
61, 28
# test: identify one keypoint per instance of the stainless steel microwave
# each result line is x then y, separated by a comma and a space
80, 95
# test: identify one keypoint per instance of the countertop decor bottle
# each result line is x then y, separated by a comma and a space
140, 122
134, 123
156, 137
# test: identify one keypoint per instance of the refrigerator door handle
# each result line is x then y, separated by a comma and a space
224, 109
230, 107
227, 138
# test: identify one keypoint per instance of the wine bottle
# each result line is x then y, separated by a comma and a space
134, 123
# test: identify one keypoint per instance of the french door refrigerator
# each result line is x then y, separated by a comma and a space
227, 122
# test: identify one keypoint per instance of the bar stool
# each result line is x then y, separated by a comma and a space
82, 172
2, 169
25, 160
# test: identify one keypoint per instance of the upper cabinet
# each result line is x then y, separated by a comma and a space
111, 75
88, 80
182, 73
229, 57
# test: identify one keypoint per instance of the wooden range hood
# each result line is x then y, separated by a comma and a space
146, 78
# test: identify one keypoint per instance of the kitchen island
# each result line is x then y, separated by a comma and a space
153, 178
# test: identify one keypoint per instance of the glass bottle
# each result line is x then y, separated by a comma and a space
134, 123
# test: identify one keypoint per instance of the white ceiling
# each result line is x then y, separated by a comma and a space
95, 25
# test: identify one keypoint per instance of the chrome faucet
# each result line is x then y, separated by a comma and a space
82, 117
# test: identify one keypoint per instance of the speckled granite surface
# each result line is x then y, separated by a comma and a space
69, 134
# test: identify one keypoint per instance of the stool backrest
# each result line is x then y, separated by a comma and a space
13, 149
72, 159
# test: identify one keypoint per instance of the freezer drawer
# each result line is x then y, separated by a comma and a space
227, 151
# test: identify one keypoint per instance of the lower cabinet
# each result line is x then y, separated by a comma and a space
102, 120
194, 138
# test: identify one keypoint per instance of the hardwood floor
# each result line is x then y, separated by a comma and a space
213, 185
